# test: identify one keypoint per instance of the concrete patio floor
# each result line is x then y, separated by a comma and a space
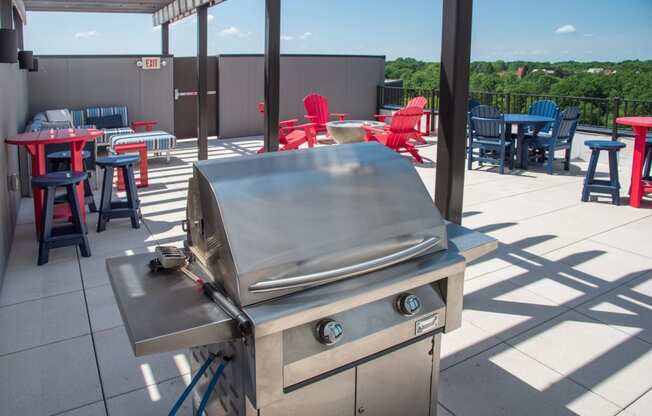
557, 321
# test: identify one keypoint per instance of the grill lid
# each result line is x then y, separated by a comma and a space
276, 223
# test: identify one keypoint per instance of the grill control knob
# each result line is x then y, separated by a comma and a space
329, 331
408, 304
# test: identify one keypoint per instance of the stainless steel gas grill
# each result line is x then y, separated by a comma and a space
330, 277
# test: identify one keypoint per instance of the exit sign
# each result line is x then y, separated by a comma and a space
150, 63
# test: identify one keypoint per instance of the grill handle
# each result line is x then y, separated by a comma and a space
344, 272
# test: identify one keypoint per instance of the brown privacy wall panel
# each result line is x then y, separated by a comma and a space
349, 82
77, 82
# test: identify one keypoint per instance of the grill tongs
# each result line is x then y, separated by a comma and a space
170, 257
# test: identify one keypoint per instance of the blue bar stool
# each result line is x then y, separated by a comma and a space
610, 187
61, 161
120, 208
67, 235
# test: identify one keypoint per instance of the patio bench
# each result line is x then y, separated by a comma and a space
86, 117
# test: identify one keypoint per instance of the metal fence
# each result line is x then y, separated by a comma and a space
598, 114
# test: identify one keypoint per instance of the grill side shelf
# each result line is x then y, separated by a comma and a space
165, 311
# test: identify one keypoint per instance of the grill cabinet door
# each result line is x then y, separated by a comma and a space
333, 396
398, 383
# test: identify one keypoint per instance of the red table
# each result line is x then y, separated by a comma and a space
639, 186
35, 143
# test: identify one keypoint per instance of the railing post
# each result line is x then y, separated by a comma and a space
380, 91
616, 112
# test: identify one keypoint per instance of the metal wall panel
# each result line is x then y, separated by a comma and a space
13, 115
349, 82
82, 82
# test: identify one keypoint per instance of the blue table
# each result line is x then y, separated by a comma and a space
523, 121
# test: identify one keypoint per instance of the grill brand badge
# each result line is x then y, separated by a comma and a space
425, 324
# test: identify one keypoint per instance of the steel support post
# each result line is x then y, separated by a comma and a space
165, 39
454, 86
202, 81
272, 72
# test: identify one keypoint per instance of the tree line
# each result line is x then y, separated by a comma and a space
627, 79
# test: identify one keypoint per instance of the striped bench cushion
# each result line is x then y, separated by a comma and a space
109, 111
155, 140
78, 118
109, 134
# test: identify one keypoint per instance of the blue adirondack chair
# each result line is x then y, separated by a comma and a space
561, 137
487, 136
544, 108
473, 104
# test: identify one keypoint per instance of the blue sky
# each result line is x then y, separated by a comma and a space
551, 30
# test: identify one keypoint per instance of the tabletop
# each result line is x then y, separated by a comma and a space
53, 136
526, 119
635, 121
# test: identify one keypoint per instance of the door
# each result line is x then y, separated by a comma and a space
333, 396
398, 383
185, 97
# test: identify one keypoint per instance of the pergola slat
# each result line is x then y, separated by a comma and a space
96, 6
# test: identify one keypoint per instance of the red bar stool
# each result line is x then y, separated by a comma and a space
141, 148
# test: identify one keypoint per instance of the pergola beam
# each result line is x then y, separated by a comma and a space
98, 6
454, 87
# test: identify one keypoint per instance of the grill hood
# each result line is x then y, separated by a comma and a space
269, 225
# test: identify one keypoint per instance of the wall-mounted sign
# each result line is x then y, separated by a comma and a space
150, 63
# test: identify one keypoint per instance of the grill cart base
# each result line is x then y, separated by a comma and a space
402, 380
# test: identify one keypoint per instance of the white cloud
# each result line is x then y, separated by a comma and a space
285, 37
566, 29
156, 28
589, 35
306, 35
233, 32
87, 34
210, 18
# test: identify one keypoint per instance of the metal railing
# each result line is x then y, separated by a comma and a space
598, 114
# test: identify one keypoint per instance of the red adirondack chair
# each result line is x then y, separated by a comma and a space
290, 135
421, 103
397, 135
317, 108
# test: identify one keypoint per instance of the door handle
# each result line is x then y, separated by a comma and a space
178, 94
347, 271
